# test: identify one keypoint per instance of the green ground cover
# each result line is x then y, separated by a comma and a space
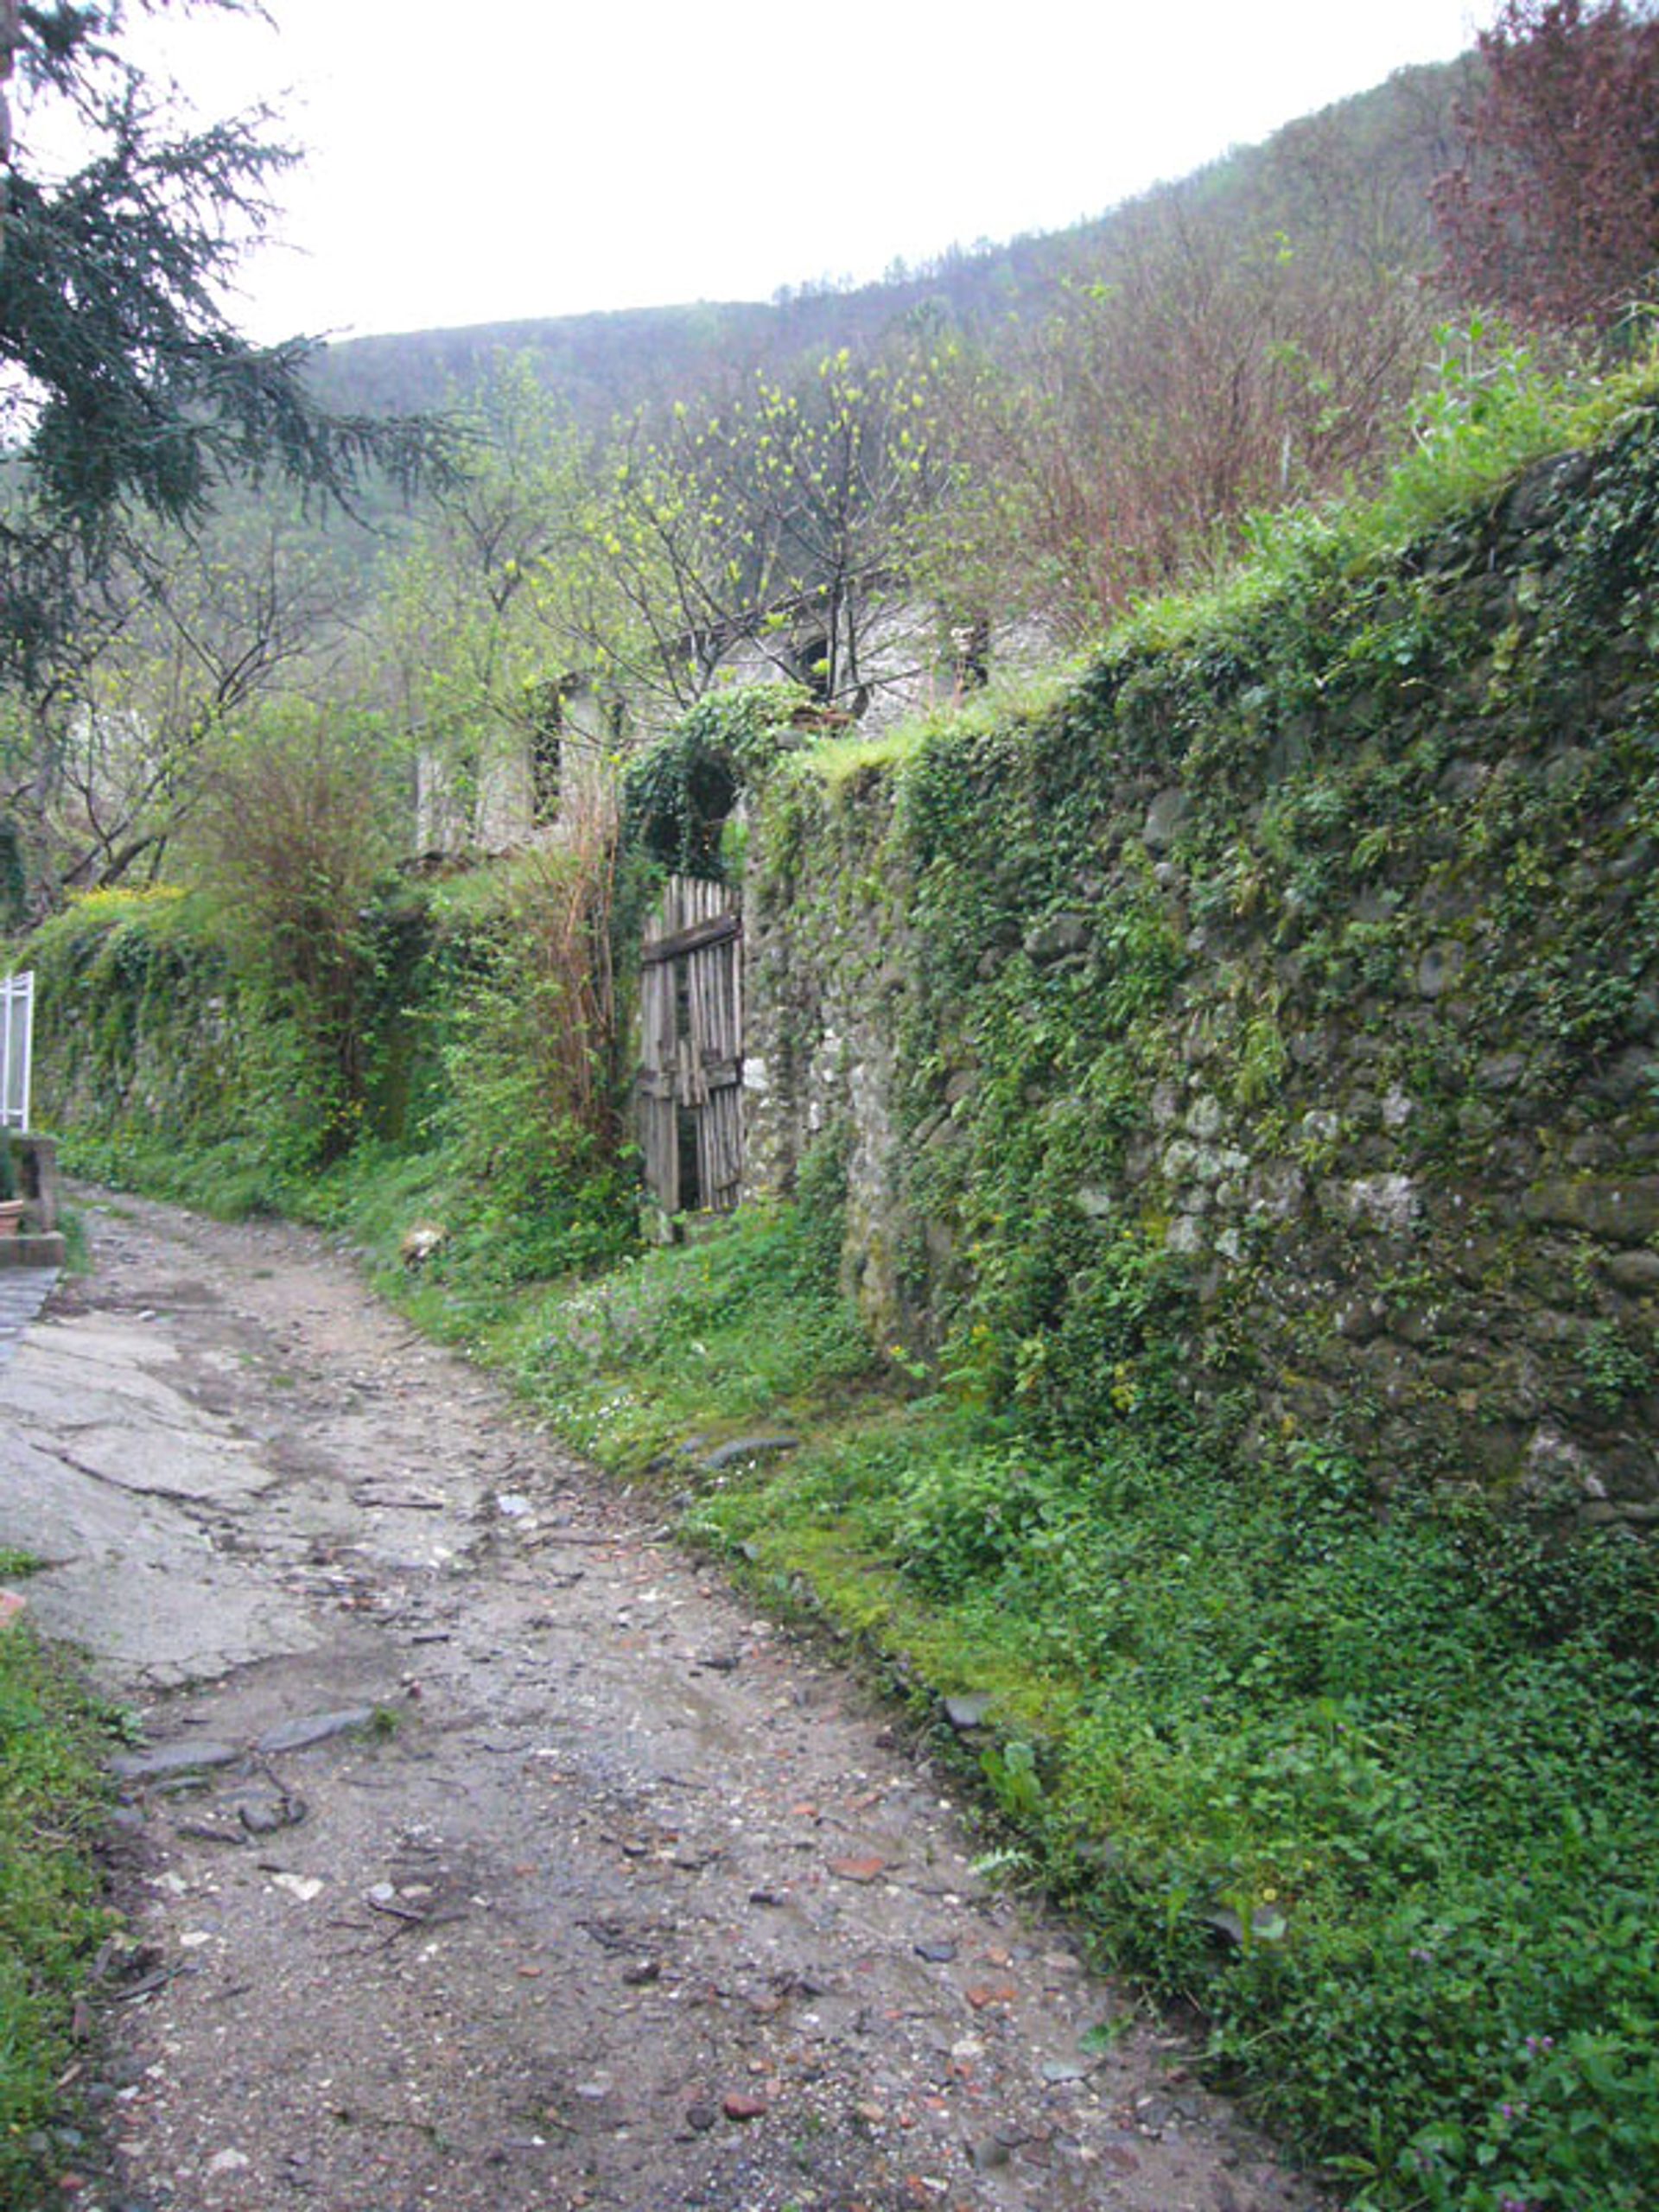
51, 1809
1374, 1791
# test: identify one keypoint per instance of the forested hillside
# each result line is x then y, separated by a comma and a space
1361, 170
889, 495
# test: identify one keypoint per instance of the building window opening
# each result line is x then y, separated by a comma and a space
546, 753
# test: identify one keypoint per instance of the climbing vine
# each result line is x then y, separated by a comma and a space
679, 794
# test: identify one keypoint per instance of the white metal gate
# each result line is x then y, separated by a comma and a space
16, 1044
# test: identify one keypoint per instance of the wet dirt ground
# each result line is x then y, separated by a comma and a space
485, 1851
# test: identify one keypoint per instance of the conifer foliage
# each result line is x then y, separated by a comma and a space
125, 389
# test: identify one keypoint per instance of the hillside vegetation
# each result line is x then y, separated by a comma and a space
1014, 440
883, 493
1355, 1753
1368, 161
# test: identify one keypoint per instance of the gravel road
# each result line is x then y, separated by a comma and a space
484, 1851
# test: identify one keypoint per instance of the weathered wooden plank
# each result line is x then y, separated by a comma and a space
721, 1147
665, 1018
694, 1030
719, 1042
720, 1172
730, 1173
691, 1042
706, 1178
698, 966
664, 1083
717, 930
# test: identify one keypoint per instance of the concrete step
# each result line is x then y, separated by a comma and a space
39, 1248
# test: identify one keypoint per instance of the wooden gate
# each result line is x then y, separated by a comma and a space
690, 1081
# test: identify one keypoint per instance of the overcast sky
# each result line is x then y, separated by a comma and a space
495, 159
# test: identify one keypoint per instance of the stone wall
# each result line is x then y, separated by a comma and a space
139, 1023
1312, 957
826, 976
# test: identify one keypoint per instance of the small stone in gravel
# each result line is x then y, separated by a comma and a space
211, 1831
768, 1897
642, 1971
171, 1759
747, 1447
1065, 2069
316, 1728
736, 2105
986, 2153
990, 1994
228, 2162
702, 2117
937, 1955
858, 1869
966, 1713
269, 1815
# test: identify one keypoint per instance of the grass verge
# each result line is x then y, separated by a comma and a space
51, 1808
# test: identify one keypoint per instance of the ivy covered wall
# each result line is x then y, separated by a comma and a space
1266, 1031
140, 1020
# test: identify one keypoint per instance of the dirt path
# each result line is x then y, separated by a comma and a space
625, 1899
